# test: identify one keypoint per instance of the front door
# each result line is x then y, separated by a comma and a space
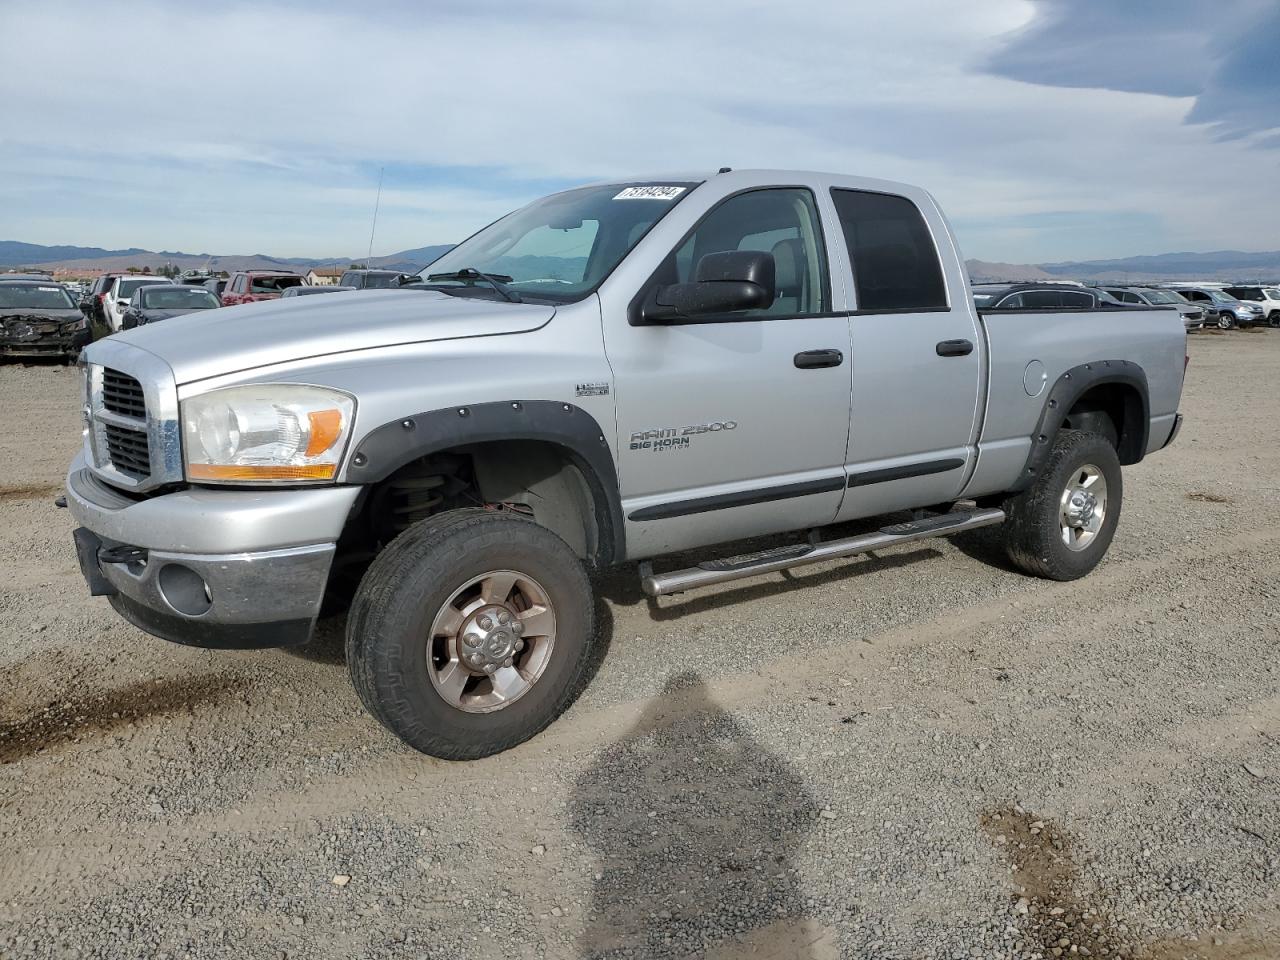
735, 425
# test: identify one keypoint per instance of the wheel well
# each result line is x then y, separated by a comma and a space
1116, 411
539, 479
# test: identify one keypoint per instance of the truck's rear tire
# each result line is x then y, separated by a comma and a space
1061, 526
471, 632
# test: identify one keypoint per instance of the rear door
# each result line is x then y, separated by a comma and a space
917, 355
735, 425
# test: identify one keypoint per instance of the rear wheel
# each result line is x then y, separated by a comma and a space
471, 632
1061, 527
1274, 319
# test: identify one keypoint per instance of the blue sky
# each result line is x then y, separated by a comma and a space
1049, 129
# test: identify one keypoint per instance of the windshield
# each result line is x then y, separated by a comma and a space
34, 296
177, 298
1220, 297
1272, 293
562, 247
125, 288
380, 281
1158, 296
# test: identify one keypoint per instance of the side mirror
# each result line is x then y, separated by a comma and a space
723, 283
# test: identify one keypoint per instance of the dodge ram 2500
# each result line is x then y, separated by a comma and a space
611, 374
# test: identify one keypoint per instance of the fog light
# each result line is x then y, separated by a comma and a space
184, 590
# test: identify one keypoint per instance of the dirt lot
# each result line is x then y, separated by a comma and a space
919, 754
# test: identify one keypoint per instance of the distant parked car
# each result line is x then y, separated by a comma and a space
1222, 308
250, 286
1192, 315
160, 302
116, 300
370, 279
1266, 297
309, 290
38, 318
215, 285
1040, 296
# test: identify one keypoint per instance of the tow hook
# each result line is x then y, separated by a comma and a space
122, 554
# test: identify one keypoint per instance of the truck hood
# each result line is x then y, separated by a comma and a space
210, 343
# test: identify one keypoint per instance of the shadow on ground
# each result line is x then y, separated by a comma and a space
696, 828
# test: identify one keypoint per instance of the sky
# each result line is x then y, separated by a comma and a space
1047, 129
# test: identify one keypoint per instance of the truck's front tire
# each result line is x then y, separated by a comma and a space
1061, 526
471, 632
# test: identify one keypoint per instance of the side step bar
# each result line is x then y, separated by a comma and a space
784, 558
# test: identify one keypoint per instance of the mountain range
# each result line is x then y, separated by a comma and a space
1216, 265
14, 253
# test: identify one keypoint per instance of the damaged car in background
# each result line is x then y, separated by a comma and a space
38, 318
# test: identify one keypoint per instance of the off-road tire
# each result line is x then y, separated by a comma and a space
405, 587
1033, 531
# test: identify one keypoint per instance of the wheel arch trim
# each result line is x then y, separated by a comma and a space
385, 449
1068, 390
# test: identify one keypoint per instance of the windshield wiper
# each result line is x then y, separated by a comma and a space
498, 281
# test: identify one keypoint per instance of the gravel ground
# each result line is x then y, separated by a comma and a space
916, 755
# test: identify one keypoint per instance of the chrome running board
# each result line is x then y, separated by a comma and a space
784, 558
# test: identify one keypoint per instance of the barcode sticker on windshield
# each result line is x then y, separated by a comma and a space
48, 289
650, 193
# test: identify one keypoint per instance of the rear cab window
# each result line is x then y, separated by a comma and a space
892, 254
274, 284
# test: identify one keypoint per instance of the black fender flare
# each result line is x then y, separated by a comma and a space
387, 448
1062, 396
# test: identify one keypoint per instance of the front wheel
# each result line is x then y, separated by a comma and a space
1226, 320
1061, 527
471, 632
1274, 319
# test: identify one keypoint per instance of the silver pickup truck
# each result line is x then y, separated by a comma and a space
610, 374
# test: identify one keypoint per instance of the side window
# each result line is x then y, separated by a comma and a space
1011, 303
1070, 299
781, 222
239, 284
895, 263
1041, 299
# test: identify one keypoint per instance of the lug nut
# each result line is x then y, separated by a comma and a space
474, 659
489, 668
508, 662
471, 640
517, 628
485, 623
519, 645
504, 618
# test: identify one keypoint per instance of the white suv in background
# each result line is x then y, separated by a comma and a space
119, 292
1268, 298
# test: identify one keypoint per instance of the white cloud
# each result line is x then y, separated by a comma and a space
260, 128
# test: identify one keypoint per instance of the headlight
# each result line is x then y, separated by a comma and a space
265, 433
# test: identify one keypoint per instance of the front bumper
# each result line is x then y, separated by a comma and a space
210, 568
36, 340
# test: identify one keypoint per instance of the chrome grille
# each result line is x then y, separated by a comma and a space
131, 412
129, 450
122, 394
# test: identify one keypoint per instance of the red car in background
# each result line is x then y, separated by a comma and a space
249, 286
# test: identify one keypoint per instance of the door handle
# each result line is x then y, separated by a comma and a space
954, 348
814, 359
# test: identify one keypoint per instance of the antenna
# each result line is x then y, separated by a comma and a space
376, 204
